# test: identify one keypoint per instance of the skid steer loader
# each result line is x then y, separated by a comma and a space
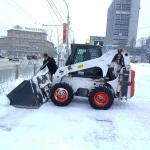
88, 73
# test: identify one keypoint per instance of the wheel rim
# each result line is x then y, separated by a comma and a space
101, 99
61, 94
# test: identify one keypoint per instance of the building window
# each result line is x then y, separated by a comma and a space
126, 7
126, 2
118, 7
116, 32
124, 32
124, 27
125, 16
122, 12
118, 16
117, 22
117, 27
124, 22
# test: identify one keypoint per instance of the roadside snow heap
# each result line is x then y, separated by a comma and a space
5, 107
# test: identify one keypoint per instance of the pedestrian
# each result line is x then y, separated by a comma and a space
50, 63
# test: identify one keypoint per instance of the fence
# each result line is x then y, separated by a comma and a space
25, 71
11, 74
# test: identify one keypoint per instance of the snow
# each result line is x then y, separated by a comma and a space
14, 84
125, 126
5, 107
4, 101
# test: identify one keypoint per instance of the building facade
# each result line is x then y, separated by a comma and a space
28, 41
122, 22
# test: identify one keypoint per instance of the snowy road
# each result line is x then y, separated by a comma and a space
125, 126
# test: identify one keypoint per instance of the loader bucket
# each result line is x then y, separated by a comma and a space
30, 93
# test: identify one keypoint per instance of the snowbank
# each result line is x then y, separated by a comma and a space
5, 107
4, 101
142, 81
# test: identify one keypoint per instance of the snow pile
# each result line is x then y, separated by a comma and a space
5, 107
142, 78
4, 101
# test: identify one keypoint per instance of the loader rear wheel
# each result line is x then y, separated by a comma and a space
101, 98
61, 94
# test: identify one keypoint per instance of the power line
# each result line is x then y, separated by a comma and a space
57, 11
51, 30
54, 12
17, 10
17, 3
60, 8
144, 28
50, 11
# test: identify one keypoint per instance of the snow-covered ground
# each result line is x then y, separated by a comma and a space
125, 126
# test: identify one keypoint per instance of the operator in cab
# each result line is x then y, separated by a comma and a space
50, 63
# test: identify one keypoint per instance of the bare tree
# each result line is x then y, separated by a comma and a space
122, 43
148, 40
142, 41
145, 47
133, 42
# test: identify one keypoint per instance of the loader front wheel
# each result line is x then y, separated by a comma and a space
61, 94
101, 98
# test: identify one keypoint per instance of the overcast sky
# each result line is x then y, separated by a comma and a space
88, 17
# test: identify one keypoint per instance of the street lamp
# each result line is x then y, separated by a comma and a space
68, 24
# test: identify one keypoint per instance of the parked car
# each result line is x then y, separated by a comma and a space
15, 59
22, 58
10, 58
29, 57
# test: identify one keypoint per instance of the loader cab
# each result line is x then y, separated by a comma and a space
81, 53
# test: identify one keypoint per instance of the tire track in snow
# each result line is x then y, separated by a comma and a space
130, 132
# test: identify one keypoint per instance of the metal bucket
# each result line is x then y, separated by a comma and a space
31, 93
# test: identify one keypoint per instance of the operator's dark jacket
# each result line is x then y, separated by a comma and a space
52, 67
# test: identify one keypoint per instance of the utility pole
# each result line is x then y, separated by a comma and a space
73, 41
68, 27
58, 53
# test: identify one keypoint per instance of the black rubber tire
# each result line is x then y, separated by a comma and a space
67, 88
105, 90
